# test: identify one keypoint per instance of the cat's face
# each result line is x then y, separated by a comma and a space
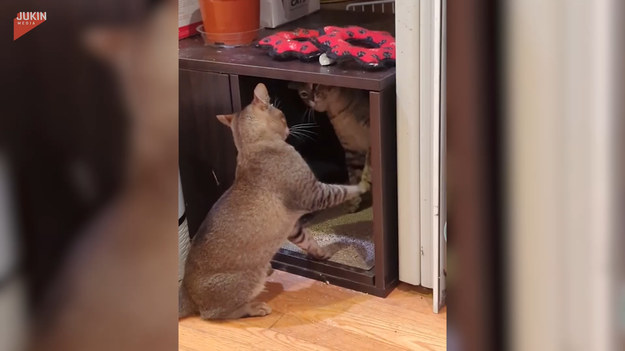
317, 96
259, 120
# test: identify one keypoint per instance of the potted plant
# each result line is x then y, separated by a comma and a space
230, 22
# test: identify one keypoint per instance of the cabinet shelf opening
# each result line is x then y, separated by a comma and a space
346, 234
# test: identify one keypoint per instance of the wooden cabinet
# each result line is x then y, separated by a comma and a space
215, 81
207, 156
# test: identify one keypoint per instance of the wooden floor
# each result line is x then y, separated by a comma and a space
310, 315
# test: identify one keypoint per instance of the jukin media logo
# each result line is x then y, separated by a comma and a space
24, 22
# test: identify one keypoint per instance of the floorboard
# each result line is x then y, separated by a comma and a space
311, 315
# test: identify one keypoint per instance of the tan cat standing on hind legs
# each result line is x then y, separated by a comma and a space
230, 256
348, 111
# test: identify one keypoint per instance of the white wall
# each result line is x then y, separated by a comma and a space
408, 149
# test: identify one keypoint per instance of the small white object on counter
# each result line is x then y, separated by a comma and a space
324, 60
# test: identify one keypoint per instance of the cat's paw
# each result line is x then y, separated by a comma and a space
259, 309
353, 205
364, 187
269, 271
319, 253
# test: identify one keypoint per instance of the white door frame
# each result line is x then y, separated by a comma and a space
407, 85
438, 214
418, 28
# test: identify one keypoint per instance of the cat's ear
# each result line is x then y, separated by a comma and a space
226, 119
261, 95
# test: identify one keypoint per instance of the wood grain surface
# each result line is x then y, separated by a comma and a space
311, 315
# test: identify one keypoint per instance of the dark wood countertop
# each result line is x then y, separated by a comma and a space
252, 61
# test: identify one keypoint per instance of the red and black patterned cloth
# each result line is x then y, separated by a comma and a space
371, 49
295, 44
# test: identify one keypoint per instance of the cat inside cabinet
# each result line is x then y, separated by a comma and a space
324, 135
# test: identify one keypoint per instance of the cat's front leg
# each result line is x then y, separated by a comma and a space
304, 240
322, 196
365, 179
355, 162
354, 204
361, 176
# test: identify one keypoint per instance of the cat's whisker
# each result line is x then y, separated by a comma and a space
306, 131
295, 136
278, 103
301, 135
308, 137
305, 128
304, 115
294, 132
304, 125
311, 114
299, 126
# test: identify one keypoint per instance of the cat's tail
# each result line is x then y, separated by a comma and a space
186, 306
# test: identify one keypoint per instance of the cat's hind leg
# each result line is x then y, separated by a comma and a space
186, 306
249, 309
258, 309
231, 295
302, 238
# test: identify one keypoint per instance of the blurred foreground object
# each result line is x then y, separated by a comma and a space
13, 316
116, 288
536, 175
563, 155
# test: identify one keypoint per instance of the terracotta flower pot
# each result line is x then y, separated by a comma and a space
230, 22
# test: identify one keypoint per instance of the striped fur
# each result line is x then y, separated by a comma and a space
302, 238
348, 111
229, 257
